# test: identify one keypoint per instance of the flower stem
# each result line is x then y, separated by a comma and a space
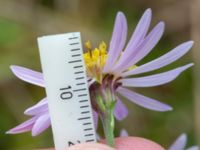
106, 112
108, 126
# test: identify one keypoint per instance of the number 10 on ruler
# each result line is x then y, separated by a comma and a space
67, 89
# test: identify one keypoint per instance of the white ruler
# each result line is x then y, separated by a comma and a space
67, 89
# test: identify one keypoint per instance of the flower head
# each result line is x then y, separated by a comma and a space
111, 73
120, 62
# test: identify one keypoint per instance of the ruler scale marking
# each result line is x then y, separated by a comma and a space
76, 55
78, 66
81, 101
75, 49
82, 95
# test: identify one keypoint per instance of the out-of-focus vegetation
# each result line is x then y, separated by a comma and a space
22, 21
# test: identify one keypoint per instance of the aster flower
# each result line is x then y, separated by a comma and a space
180, 144
110, 74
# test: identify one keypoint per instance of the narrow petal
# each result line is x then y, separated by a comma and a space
120, 111
162, 61
143, 101
96, 118
193, 148
140, 31
137, 36
117, 41
24, 127
123, 133
41, 124
180, 143
156, 79
28, 75
143, 49
38, 108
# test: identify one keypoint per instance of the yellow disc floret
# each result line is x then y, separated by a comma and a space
95, 60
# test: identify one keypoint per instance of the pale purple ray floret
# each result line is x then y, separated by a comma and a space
180, 144
39, 122
120, 62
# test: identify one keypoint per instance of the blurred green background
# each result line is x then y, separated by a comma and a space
22, 21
